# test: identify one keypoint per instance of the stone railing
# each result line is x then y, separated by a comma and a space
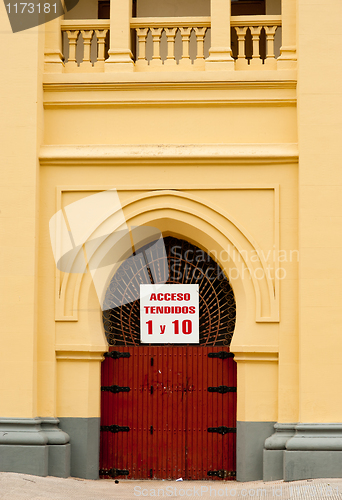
176, 42
84, 44
253, 41
172, 43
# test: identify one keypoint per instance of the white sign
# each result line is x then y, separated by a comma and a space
169, 314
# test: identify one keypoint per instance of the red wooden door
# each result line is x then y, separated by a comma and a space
168, 412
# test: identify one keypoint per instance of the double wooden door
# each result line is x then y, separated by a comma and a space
168, 413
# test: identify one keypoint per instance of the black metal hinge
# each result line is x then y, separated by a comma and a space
221, 355
115, 428
222, 473
222, 389
117, 354
115, 389
114, 472
222, 430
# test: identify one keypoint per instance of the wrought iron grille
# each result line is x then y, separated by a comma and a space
185, 264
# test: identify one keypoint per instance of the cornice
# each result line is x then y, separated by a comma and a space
68, 93
258, 357
71, 353
86, 103
171, 80
155, 154
80, 86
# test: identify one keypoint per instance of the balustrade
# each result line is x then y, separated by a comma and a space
172, 43
177, 42
254, 41
84, 44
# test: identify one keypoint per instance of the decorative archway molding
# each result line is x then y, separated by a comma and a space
187, 216
238, 242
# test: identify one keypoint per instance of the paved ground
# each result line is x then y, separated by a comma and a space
22, 487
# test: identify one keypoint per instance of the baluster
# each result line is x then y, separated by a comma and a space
171, 36
185, 32
255, 32
156, 34
270, 34
72, 38
241, 36
87, 36
142, 39
142, 34
270, 61
199, 61
101, 40
200, 34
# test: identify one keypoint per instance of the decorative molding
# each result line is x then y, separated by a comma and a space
274, 450
144, 93
22, 431
161, 81
76, 355
87, 103
84, 24
278, 440
255, 356
61, 284
264, 20
193, 154
316, 437
179, 202
249, 242
31, 432
54, 434
171, 22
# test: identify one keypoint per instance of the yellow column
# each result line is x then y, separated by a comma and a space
53, 59
120, 55
320, 211
288, 55
20, 136
220, 52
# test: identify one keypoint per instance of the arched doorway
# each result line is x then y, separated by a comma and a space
169, 411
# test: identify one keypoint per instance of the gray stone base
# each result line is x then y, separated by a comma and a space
85, 445
315, 451
24, 459
59, 460
312, 464
34, 446
273, 466
250, 441
59, 448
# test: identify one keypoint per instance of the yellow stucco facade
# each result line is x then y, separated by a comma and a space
241, 159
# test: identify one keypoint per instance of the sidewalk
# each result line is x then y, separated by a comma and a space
22, 487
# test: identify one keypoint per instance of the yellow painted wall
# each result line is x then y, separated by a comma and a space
320, 209
210, 157
20, 138
224, 188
